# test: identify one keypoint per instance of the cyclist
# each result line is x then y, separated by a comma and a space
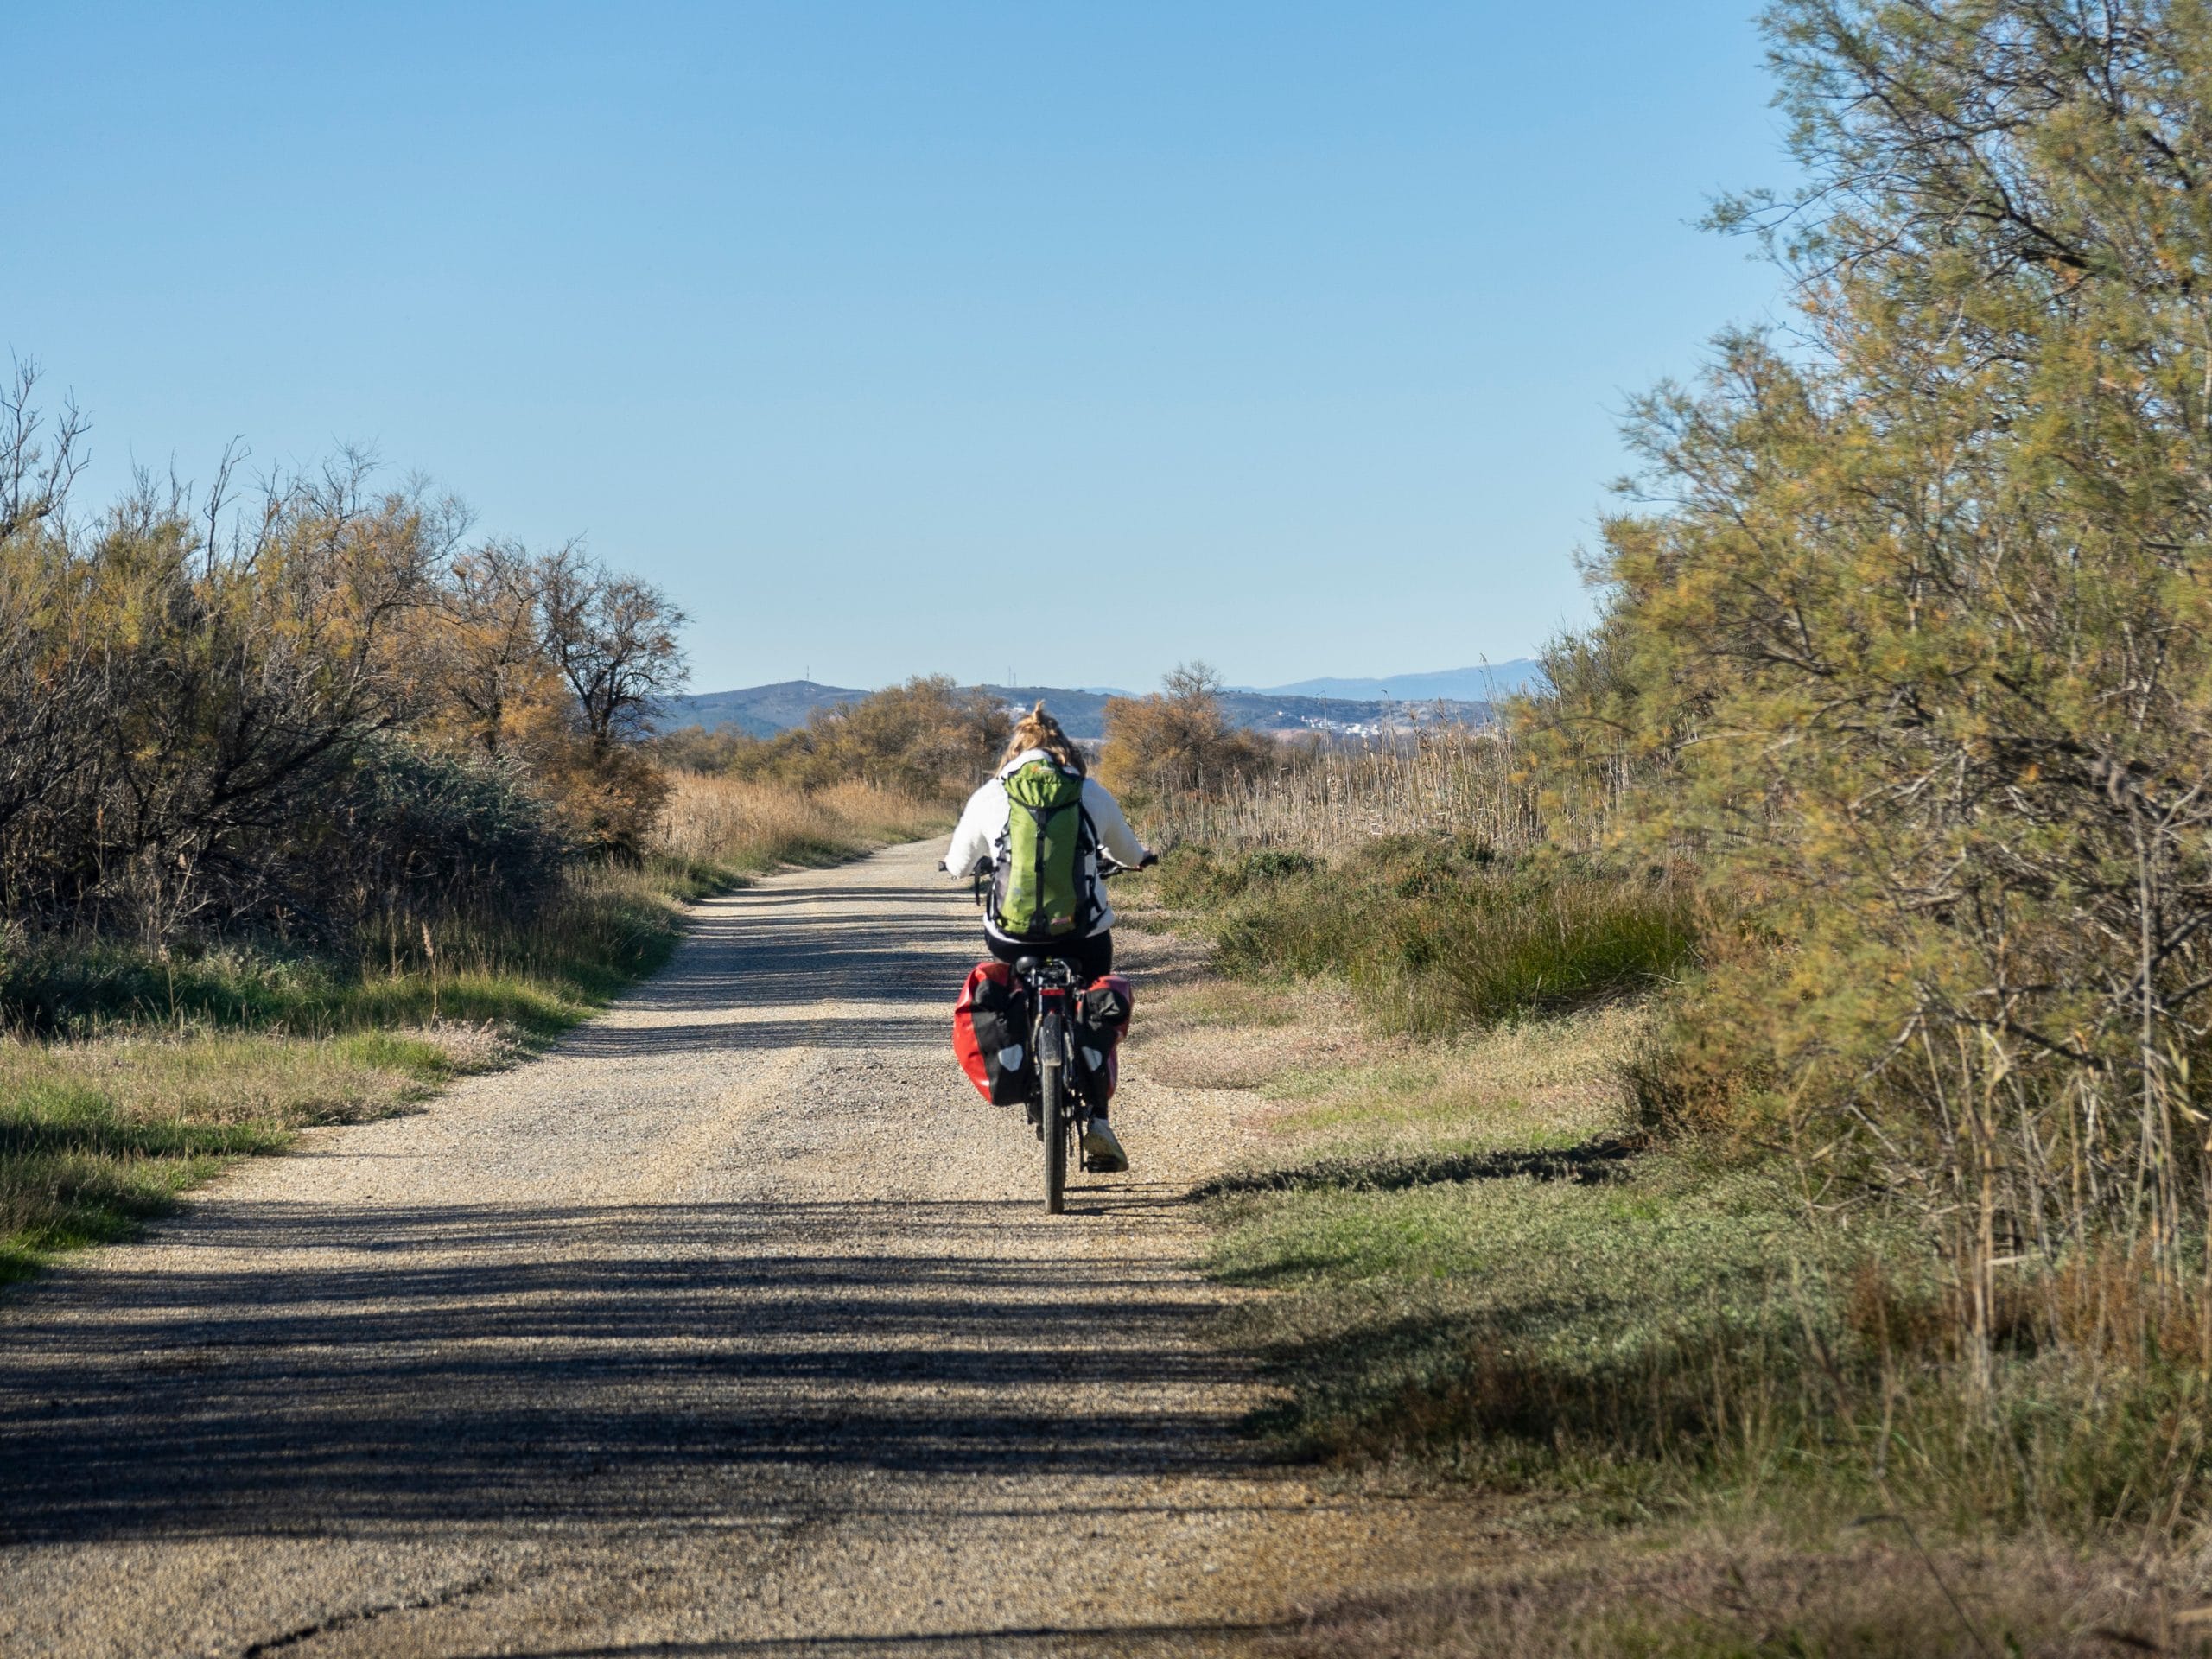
979, 842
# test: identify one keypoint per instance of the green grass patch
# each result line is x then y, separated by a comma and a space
96, 1136
1540, 1320
1473, 1270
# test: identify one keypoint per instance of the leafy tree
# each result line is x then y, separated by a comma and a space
929, 738
1178, 742
209, 716
612, 640
490, 680
189, 698
1910, 630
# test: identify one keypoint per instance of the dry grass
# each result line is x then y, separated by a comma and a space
1542, 1084
1217, 1034
754, 826
1330, 801
1329, 1084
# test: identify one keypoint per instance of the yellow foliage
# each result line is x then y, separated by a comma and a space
927, 738
1177, 742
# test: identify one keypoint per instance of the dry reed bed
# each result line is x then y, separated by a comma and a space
757, 825
1331, 800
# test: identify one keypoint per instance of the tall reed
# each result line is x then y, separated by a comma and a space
1330, 799
758, 825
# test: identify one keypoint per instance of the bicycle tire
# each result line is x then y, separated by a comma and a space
1052, 1085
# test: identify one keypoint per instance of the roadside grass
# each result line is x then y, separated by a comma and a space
1480, 1276
1535, 1083
1472, 1272
1434, 932
132, 1077
607, 927
97, 1135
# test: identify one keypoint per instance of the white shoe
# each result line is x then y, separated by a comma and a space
1101, 1151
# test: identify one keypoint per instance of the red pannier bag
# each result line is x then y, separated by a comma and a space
1101, 1019
990, 1027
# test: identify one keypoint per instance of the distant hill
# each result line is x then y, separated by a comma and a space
1483, 684
764, 710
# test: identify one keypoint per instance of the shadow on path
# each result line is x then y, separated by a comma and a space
407, 1367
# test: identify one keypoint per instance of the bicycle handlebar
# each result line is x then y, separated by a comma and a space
1107, 867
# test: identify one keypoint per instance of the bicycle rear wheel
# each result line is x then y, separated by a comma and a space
1051, 1080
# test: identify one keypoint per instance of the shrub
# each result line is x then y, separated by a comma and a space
928, 738
1177, 743
1915, 646
415, 836
1437, 931
201, 718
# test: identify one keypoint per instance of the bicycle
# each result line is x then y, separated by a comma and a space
1057, 1109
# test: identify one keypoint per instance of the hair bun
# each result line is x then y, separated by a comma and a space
1038, 713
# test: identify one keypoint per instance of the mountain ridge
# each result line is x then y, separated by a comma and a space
764, 710
1483, 682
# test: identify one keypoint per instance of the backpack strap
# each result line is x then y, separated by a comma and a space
993, 884
1093, 888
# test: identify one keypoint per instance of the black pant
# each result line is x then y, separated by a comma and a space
1093, 957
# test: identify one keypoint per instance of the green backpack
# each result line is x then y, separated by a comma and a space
1039, 889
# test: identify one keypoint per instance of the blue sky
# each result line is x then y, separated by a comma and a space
1071, 340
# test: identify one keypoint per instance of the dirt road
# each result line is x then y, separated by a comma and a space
732, 1327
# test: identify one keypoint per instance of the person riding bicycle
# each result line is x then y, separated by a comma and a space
981, 840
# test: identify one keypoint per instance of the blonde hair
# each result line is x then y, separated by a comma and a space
1038, 730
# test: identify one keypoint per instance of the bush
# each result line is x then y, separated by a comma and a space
211, 728
1177, 743
418, 836
1907, 630
928, 738
1437, 931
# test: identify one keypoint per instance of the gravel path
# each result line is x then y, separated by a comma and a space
733, 1326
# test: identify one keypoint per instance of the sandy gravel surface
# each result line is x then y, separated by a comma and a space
735, 1325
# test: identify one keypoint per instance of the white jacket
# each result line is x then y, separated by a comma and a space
985, 817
